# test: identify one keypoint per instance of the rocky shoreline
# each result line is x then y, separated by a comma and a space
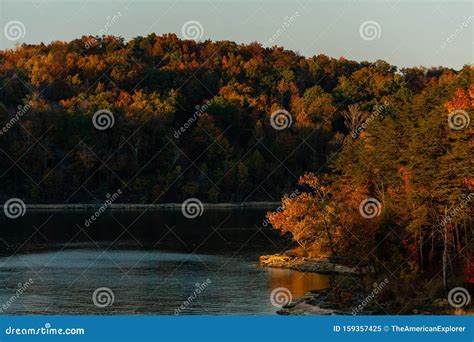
348, 297
325, 302
303, 264
350, 302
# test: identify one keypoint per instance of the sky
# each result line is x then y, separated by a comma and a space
401, 32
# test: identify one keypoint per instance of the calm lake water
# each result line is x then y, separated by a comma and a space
153, 262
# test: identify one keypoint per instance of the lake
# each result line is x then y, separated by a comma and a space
144, 262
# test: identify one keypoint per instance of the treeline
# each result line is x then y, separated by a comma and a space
194, 119
399, 195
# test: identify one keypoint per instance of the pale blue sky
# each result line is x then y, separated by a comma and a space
415, 32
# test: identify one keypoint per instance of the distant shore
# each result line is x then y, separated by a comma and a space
127, 206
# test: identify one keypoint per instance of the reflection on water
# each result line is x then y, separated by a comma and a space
149, 280
216, 231
298, 283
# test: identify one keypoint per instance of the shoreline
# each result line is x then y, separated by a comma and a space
138, 206
348, 298
302, 264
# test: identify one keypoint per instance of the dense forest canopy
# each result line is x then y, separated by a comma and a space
193, 118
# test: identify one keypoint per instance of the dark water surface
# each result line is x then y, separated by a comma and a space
153, 262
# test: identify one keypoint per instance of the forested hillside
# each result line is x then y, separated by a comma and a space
194, 119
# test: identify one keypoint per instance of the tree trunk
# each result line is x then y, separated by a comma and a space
445, 254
